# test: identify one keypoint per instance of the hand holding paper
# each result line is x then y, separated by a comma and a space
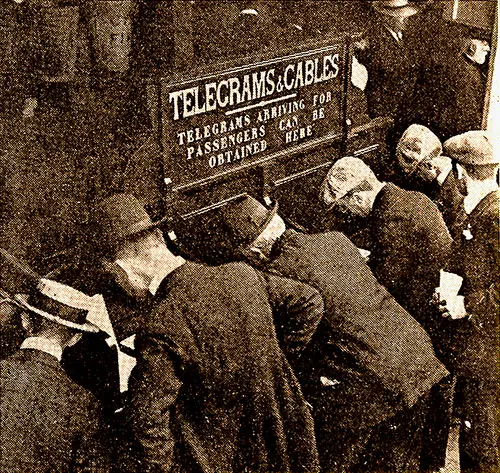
449, 285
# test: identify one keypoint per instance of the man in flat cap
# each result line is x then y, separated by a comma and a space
475, 343
371, 365
424, 168
408, 239
212, 389
48, 422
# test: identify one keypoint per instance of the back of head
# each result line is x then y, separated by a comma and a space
243, 221
474, 151
346, 175
417, 144
116, 218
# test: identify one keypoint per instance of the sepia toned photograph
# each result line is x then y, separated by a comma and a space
249, 236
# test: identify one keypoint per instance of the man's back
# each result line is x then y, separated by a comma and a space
371, 327
229, 400
410, 244
48, 423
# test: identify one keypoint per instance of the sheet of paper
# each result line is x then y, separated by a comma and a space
364, 253
449, 285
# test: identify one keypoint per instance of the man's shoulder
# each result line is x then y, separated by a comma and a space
487, 211
10, 370
41, 379
332, 248
300, 238
490, 203
197, 273
406, 203
194, 283
29, 366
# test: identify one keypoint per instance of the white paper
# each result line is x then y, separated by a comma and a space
364, 253
449, 285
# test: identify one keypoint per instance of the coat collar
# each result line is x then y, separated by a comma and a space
379, 201
31, 355
281, 242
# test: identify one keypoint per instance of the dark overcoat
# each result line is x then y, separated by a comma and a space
370, 327
48, 423
393, 70
212, 390
447, 197
474, 340
369, 360
453, 94
477, 339
409, 245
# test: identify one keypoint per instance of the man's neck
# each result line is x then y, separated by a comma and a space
146, 278
163, 272
443, 174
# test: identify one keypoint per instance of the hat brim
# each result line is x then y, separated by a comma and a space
272, 213
141, 227
401, 12
86, 327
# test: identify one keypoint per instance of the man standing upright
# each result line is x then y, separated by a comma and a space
371, 365
408, 239
212, 390
475, 343
392, 58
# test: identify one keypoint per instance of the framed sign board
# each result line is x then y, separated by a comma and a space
220, 123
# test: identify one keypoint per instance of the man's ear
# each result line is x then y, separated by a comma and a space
357, 198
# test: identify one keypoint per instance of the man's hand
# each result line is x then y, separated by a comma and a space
440, 305
449, 309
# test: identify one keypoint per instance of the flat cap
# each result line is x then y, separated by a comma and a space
474, 148
417, 144
345, 175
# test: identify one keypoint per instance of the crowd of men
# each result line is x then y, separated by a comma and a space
304, 353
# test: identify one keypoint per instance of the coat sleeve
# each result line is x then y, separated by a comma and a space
93, 452
17, 453
297, 310
154, 390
